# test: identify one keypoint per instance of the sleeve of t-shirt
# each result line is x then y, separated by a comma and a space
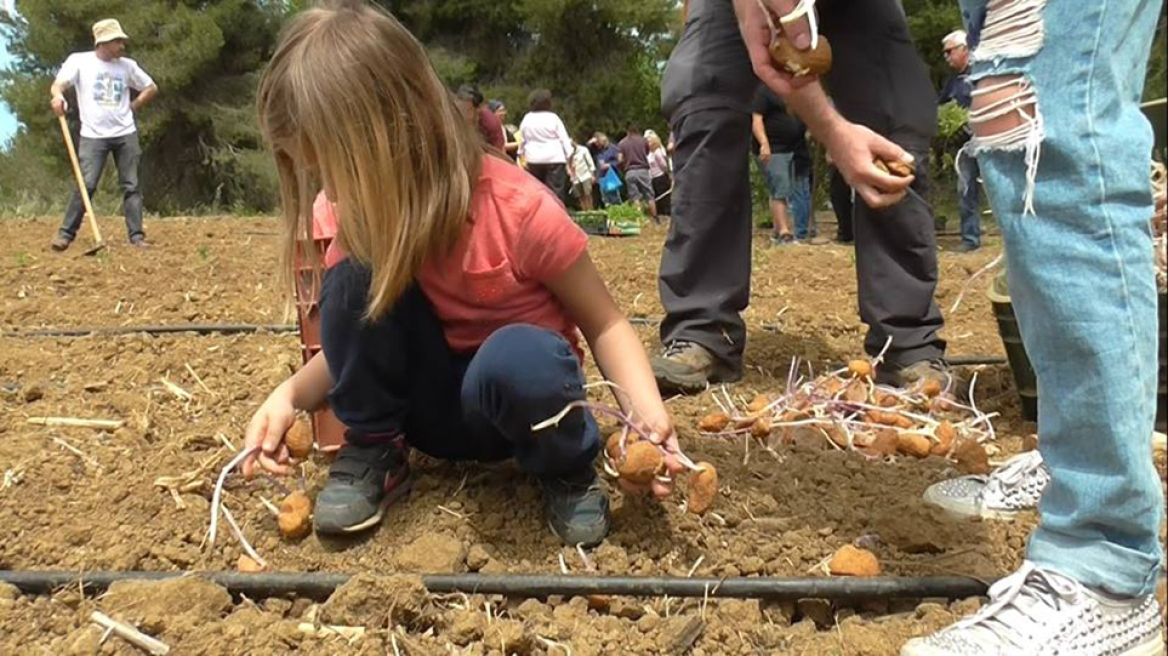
139, 80
565, 140
759, 105
70, 71
549, 241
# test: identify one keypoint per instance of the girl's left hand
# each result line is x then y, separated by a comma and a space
660, 432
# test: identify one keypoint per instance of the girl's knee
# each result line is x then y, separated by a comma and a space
527, 361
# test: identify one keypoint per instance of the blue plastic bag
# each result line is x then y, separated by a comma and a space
610, 182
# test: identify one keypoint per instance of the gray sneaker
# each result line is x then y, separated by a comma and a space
916, 374
1039, 612
362, 482
1015, 486
689, 368
576, 508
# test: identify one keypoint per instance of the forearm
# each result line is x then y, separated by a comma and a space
622, 360
57, 90
144, 98
759, 130
811, 105
308, 388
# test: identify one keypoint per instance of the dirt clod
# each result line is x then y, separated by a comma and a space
178, 604
378, 602
436, 553
33, 392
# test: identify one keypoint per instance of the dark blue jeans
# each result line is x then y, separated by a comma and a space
969, 198
399, 375
92, 154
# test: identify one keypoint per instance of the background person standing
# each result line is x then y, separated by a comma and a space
959, 89
103, 79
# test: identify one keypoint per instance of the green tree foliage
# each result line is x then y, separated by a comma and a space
200, 141
602, 59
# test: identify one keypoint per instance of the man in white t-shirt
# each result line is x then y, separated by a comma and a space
103, 79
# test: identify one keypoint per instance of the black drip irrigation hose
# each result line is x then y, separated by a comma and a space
318, 585
201, 329
232, 329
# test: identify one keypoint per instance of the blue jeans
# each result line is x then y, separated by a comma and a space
1072, 196
398, 375
91, 155
800, 205
969, 197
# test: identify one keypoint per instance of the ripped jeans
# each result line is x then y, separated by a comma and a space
1065, 153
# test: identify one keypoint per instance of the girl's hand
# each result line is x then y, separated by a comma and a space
266, 431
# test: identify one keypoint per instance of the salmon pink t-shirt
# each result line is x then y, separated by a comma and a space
518, 238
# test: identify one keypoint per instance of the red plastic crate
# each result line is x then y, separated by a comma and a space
328, 431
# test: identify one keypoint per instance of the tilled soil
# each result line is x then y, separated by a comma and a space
82, 499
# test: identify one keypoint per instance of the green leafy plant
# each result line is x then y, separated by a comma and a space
951, 121
624, 213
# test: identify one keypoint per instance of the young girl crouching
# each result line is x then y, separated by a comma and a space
450, 319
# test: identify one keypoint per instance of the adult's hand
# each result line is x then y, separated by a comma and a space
58, 105
854, 149
764, 154
756, 33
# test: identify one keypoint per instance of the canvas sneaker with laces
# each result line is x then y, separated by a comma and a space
689, 367
1014, 487
1039, 612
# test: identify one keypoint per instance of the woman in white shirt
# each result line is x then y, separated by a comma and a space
546, 147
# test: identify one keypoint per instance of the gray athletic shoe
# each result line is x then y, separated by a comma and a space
362, 482
576, 508
918, 373
1015, 486
1039, 612
689, 368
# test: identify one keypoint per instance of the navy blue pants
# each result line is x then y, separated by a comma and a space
399, 375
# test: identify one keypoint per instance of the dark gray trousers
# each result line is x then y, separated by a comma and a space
705, 267
91, 155
896, 273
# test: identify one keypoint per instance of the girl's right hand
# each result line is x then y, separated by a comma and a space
266, 431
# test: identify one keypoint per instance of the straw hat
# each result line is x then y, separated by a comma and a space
107, 30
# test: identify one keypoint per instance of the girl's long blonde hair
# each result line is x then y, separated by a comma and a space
351, 101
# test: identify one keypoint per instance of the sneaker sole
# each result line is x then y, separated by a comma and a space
1154, 647
586, 544
374, 519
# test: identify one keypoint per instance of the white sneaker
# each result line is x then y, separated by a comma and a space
1039, 612
1015, 486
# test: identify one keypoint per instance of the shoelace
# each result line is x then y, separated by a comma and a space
677, 347
1022, 596
1013, 471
